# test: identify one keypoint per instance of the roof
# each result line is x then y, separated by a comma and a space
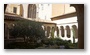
12, 16
64, 16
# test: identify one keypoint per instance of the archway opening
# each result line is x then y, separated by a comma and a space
68, 31
48, 31
57, 29
62, 31
75, 31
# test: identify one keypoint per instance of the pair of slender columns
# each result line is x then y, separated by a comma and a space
48, 31
59, 35
65, 37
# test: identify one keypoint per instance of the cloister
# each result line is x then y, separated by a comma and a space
72, 31
63, 31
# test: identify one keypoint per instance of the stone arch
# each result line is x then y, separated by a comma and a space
32, 11
68, 31
75, 31
62, 31
69, 9
21, 10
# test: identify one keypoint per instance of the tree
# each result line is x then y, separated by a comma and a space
26, 28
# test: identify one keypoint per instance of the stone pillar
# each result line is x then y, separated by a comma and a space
45, 28
71, 34
80, 16
60, 33
50, 32
55, 33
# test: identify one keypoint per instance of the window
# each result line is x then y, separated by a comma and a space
15, 10
41, 4
32, 11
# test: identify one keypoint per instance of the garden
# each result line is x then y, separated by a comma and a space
33, 37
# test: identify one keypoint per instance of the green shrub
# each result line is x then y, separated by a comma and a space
30, 29
56, 43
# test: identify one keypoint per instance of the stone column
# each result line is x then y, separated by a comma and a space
60, 33
71, 34
50, 32
80, 16
45, 29
25, 12
55, 33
